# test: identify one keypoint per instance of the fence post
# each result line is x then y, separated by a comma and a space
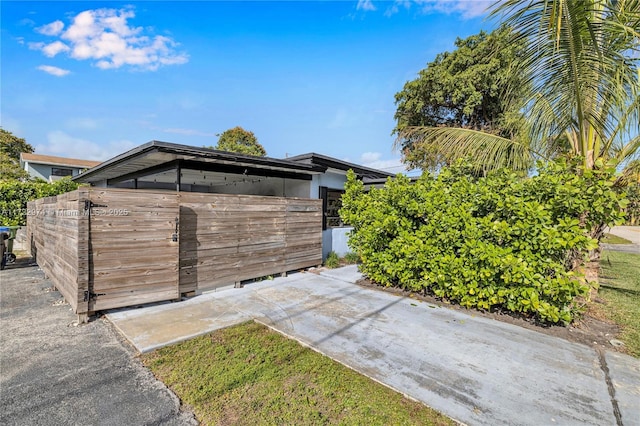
84, 256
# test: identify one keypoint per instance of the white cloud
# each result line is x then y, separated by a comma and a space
52, 29
62, 144
370, 157
466, 8
52, 49
391, 165
105, 37
341, 119
58, 72
82, 123
365, 5
27, 22
36, 46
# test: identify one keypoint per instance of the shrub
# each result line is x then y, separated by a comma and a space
332, 261
15, 194
497, 242
351, 258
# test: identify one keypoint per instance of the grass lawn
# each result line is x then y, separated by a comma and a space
620, 288
249, 374
614, 239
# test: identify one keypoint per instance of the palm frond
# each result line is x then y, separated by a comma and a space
581, 68
484, 150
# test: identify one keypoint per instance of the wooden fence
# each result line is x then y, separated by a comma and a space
105, 248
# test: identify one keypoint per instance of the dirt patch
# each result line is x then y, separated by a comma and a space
590, 330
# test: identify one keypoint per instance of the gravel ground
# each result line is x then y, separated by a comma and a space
53, 371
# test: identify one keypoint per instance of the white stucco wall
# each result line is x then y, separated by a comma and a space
332, 179
335, 239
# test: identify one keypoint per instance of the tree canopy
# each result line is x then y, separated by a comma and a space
581, 87
463, 88
241, 141
10, 148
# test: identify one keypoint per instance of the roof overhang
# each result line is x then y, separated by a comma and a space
333, 163
157, 157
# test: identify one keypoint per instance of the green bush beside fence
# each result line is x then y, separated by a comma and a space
501, 241
15, 194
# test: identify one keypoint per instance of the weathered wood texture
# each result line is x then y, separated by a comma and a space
133, 259
225, 239
124, 253
54, 238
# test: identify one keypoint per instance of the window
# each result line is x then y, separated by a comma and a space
331, 203
56, 171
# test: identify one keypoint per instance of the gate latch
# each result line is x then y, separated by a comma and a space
174, 236
89, 295
89, 204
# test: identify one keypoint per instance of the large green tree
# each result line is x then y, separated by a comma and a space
241, 141
10, 148
580, 68
464, 88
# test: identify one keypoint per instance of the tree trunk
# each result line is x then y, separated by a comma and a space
592, 267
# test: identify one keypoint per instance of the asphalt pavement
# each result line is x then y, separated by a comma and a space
55, 372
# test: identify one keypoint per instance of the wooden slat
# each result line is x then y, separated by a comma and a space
124, 251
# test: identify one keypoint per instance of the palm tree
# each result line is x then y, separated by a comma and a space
582, 88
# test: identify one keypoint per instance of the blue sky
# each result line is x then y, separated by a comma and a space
93, 79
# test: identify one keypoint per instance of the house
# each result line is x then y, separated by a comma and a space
163, 165
163, 220
51, 168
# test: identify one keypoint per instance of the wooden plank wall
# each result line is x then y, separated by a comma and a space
303, 233
124, 250
133, 258
53, 236
225, 239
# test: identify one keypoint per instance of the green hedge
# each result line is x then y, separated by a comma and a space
497, 242
15, 194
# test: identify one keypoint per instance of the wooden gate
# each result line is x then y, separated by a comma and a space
107, 248
132, 247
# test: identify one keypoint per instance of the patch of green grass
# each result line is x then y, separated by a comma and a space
620, 288
251, 375
351, 258
332, 260
614, 239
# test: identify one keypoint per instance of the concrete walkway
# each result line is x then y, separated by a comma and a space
631, 233
475, 370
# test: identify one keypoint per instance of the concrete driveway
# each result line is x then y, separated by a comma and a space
631, 233
56, 373
475, 370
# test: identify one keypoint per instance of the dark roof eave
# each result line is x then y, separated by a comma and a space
334, 163
203, 153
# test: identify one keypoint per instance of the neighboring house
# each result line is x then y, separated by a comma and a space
52, 168
163, 165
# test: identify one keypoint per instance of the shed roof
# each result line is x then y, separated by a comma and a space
334, 163
57, 161
156, 157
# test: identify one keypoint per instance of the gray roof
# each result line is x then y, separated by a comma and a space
157, 157
334, 163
